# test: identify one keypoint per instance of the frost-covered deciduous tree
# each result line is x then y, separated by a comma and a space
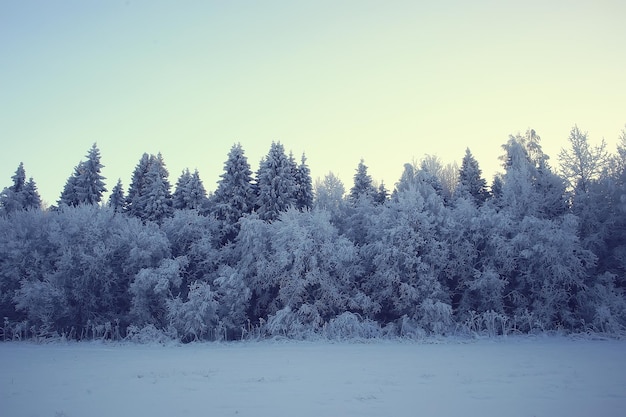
251, 256
86, 185
329, 194
233, 298
407, 257
151, 291
529, 187
582, 163
194, 318
87, 254
25, 254
197, 238
314, 267
550, 270
276, 183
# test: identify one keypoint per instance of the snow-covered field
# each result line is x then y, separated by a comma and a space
544, 376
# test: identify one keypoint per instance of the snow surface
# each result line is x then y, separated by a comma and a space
544, 376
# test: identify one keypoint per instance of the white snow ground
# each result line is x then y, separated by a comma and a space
544, 376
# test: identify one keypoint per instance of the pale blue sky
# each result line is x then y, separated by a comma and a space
387, 81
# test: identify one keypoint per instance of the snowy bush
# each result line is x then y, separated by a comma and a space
410, 329
147, 334
351, 326
44, 303
193, 318
287, 324
151, 289
436, 317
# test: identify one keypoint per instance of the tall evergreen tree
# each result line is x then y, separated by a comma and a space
234, 195
19, 178
86, 185
195, 193
116, 199
276, 183
471, 182
179, 195
304, 186
21, 195
190, 193
156, 198
137, 186
363, 187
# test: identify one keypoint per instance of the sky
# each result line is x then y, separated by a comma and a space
389, 82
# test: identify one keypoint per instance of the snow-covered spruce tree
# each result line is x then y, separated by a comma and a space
137, 187
22, 195
471, 183
32, 200
363, 187
304, 186
86, 185
156, 198
195, 193
276, 183
116, 199
178, 196
234, 195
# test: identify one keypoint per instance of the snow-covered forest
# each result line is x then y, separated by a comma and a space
273, 253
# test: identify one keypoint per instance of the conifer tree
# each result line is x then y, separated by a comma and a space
195, 193
276, 183
471, 182
234, 195
21, 195
362, 187
19, 178
137, 187
86, 185
156, 198
304, 186
190, 193
178, 197
382, 194
116, 199
32, 200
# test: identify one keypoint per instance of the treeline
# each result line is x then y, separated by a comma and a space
272, 254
